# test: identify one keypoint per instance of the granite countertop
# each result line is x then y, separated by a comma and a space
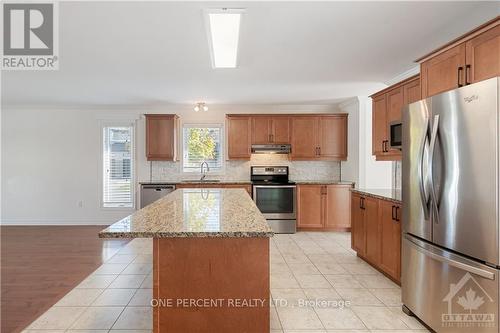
322, 182
385, 194
194, 213
246, 182
194, 181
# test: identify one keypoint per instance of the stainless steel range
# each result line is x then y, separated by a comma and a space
275, 196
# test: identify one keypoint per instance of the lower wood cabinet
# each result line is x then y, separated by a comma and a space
246, 187
358, 232
390, 238
323, 207
376, 233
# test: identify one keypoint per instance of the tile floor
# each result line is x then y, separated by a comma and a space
317, 284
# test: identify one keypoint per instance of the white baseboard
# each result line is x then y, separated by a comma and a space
56, 222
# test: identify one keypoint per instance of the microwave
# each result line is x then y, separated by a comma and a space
396, 134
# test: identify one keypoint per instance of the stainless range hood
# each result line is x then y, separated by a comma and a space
271, 149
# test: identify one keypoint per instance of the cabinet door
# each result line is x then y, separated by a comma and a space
238, 137
411, 92
443, 72
333, 137
337, 207
358, 232
310, 206
304, 138
161, 140
372, 230
261, 130
390, 237
483, 56
379, 125
280, 130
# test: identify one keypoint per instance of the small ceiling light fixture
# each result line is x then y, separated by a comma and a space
223, 36
200, 106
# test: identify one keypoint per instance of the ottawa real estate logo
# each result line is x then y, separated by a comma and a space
30, 36
469, 306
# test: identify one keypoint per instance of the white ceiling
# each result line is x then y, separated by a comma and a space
143, 53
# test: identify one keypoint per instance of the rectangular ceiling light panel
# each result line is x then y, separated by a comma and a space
224, 26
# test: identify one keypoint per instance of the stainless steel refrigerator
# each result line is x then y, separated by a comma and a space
450, 243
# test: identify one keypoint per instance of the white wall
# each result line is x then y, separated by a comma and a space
361, 166
50, 158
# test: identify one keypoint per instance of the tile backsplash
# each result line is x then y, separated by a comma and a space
240, 170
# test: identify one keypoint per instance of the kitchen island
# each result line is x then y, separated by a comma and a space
210, 260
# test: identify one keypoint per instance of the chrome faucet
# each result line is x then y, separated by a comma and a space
202, 170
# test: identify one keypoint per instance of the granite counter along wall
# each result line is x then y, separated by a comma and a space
240, 170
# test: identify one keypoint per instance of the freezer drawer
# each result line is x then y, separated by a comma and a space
448, 292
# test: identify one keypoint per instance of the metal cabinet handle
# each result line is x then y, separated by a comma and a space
459, 75
397, 213
392, 213
319, 151
467, 73
383, 146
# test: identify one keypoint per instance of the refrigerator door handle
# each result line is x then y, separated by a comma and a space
434, 135
452, 262
423, 195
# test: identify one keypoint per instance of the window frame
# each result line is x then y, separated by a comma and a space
133, 164
222, 148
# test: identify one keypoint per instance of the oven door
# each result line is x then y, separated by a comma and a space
276, 201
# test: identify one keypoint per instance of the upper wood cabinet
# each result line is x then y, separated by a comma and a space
161, 137
323, 207
386, 108
312, 136
471, 58
304, 138
280, 130
332, 137
379, 125
411, 92
482, 54
270, 130
443, 72
238, 137
319, 137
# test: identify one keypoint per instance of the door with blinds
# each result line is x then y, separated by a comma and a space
118, 166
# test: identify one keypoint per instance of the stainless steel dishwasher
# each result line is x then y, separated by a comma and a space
151, 192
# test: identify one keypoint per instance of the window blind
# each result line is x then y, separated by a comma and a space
202, 144
118, 166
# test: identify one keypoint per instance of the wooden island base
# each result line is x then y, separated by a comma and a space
231, 274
